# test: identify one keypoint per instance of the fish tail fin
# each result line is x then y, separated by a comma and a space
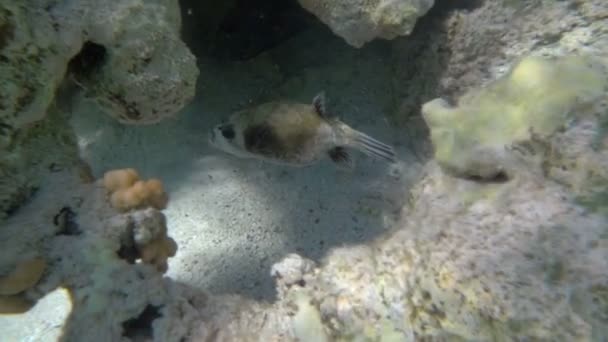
366, 144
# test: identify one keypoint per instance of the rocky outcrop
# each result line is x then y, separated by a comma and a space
359, 22
128, 57
455, 49
125, 56
109, 260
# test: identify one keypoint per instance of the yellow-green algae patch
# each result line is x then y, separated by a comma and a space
538, 95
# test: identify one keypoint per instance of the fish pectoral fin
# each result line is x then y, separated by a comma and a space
342, 158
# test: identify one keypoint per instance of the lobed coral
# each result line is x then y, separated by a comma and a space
128, 192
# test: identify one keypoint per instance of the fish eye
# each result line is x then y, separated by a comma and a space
227, 131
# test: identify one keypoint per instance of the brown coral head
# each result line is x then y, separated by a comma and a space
128, 192
119, 179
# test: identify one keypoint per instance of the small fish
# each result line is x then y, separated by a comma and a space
294, 134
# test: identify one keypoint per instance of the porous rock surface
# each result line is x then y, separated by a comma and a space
127, 56
537, 97
131, 58
458, 47
362, 21
93, 251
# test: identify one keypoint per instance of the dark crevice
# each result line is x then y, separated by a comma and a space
128, 251
443, 7
500, 177
421, 60
140, 327
242, 29
90, 59
65, 221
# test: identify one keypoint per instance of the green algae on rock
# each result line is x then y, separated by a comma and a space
538, 96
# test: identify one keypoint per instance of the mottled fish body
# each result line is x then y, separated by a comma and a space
292, 133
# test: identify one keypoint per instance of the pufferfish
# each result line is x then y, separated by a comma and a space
294, 134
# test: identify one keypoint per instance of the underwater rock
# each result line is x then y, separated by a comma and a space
359, 22
33, 63
537, 97
461, 45
148, 73
128, 57
94, 263
291, 269
483, 42
45, 147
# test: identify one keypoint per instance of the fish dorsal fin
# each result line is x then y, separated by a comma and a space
318, 103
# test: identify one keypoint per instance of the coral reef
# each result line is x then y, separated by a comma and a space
92, 250
504, 236
359, 22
